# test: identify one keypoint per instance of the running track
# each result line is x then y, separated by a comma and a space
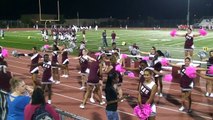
67, 96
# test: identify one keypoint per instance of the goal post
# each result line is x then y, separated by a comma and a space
49, 20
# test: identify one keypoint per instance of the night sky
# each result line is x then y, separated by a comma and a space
134, 9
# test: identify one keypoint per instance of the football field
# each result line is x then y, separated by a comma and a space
144, 38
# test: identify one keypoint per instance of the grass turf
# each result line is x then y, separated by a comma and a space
145, 39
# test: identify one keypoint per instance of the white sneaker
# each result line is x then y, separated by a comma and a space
57, 82
211, 95
92, 100
181, 108
49, 101
207, 94
66, 76
63, 76
161, 95
102, 103
82, 88
103, 97
82, 106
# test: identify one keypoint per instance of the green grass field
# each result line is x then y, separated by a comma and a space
144, 39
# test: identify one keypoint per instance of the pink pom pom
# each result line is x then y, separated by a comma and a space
124, 56
46, 46
97, 54
119, 68
191, 72
142, 112
164, 61
202, 32
131, 75
168, 77
145, 58
210, 70
173, 32
4, 53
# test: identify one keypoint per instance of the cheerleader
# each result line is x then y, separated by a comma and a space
47, 78
65, 62
158, 67
102, 59
186, 85
5, 77
84, 65
209, 84
35, 56
189, 42
93, 82
55, 52
147, 90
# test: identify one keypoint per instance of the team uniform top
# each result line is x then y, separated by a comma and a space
113, 35
151, 56
209, 63
156, 64
1, 57
5, 81
94, 72
186, 83
84, 63
55, 57
189, 41
47, 75
82, 46
34, 60
145, 92
115, 49
65, 59
141, 79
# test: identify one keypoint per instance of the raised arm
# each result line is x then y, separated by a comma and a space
91, 59
179, 35
196, 35
174, 65
204, 76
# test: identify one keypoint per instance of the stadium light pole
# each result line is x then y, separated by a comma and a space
188, 13
39, 5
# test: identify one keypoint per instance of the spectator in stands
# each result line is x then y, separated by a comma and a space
18, 99
5, 77
38, 99
189, 42
104, 39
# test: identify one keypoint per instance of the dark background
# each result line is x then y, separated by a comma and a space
134, 9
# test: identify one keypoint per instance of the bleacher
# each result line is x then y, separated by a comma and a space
206, 22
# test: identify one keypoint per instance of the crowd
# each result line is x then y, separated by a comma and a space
20, 101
